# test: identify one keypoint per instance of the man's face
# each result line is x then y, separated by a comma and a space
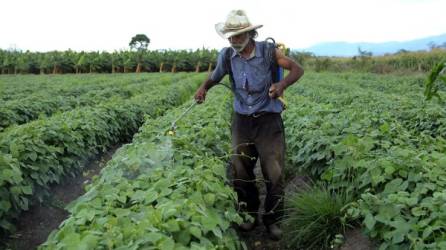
239, 41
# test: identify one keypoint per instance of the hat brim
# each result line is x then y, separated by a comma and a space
219, 27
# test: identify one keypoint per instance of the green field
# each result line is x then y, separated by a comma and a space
372, 136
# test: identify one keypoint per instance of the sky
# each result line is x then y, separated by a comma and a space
93, 25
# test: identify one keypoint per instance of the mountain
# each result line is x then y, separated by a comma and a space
351, 49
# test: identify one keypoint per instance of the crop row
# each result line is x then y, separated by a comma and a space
34, 105
18, 87
39, 153
21, 86
161, 191
383, 147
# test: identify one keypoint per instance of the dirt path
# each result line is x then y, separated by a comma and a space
258, 239
34, 225
356, 240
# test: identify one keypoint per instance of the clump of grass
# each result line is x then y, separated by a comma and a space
315, 217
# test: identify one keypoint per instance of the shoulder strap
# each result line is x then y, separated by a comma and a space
227, 64
270, 54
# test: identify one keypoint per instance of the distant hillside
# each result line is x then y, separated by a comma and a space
351, 49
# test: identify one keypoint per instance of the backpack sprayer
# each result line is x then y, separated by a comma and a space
278, 72
277, 75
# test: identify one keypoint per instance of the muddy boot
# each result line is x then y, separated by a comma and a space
275, 233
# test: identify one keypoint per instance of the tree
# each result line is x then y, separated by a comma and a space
94, 61
56, 60
44, 63
140, 42
129, 61
209, 57
24, 62
364, 53
81, 62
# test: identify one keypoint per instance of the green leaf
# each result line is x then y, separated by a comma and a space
384, 128
27, 189
71, 241
138, 196
184, 237
172, 226
427, 231
5, 205
217, 232
153, 237
418, 211
88, 242
86, 213
195, 231
393, 186
32, 155
369, 221
209, 199
167, 244
401, 230
208, 223
151, 196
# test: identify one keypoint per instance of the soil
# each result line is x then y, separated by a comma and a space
34, 225
258, 239
356, 240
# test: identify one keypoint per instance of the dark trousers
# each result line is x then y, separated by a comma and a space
259, 137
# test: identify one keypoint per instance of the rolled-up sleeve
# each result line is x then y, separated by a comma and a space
220, 70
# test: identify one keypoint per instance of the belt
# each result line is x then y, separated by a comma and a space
255, 115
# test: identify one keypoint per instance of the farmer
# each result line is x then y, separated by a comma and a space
257, 127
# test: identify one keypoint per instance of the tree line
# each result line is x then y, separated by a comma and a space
142, 60
126, 61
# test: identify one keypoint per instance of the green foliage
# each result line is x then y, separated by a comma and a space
24, 106
39, 153
61, 62
435, 76
315, 216
322, 64
377, 138
372, 136
402, 61
25, 100
139, 42
301, 57
161, 192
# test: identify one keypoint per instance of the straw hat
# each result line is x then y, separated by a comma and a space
236, 23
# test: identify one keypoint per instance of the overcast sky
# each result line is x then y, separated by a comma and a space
43, 25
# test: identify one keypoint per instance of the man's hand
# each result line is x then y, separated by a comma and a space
276, 90
200, 95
